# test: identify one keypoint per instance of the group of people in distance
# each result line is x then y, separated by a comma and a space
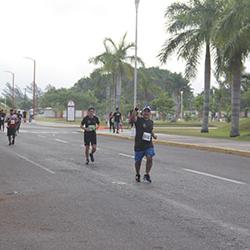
143, 140
13, 121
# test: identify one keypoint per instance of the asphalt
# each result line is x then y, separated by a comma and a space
217, 145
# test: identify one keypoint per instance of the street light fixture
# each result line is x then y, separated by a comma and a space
135, 77
180, 99
12, 87
34, 87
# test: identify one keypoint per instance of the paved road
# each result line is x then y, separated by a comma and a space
49, 199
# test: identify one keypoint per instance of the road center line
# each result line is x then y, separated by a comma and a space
41, 136
61, 141
26, 159
214, 176
130, 156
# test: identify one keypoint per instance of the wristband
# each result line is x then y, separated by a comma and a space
136, 109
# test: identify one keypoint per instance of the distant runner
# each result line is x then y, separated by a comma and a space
19, 121
2, 118
90, 124
143, 141
11, 123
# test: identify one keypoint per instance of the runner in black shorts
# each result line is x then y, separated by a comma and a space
90, 124
2, 118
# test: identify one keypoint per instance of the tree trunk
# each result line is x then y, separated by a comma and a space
204, 128
107, 99
113, 95
236, 101
118, 89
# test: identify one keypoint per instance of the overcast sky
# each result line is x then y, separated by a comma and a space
61, 35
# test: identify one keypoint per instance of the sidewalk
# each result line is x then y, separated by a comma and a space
218, 145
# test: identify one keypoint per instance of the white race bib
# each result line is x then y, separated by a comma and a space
146, 136
12, 122
91, 127
1, 118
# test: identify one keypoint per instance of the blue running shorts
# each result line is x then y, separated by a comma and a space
140, 154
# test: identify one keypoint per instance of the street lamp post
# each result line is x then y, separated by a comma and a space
180, 100
34, 87
12, 87
181, 103
135, 77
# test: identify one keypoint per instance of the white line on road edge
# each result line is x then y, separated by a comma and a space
40, 166
61, 141
214, 176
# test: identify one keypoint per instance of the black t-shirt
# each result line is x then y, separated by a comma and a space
117, 116
2, 117
24, 114
90, 122
143, 138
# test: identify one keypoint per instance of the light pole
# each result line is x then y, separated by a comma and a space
181, 103
34, 87
180, 100
135, 77
12, 87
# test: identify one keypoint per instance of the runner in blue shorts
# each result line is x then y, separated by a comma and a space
143, 141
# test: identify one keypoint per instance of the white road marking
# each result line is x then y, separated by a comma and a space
214, 176
61, 141
41, 136
38, 165
130, 156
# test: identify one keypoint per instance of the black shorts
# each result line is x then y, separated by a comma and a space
90, 139
1, 123
11, 131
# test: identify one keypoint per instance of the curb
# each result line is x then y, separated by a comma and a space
186, 145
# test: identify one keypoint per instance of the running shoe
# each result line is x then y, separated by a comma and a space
146, 177
137, 178
87, 162
10, 144
13, 142
92, 157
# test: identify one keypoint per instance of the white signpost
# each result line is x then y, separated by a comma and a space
71, 111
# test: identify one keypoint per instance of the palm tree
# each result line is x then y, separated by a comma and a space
191, 27
146, 85
103, 73
232, 33
120, 62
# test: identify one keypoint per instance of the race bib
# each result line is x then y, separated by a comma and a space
12, 122
146, 136
1, 118
91, 127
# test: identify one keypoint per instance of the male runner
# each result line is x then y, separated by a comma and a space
19, 121
11, 131
117, 118
2, 118
143, 141
90, 124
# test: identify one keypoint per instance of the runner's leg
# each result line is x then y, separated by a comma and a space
149, 163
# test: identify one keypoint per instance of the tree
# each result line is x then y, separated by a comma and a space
165, 105
120, 62
232, 34
191, 28
103, 73
146, 85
